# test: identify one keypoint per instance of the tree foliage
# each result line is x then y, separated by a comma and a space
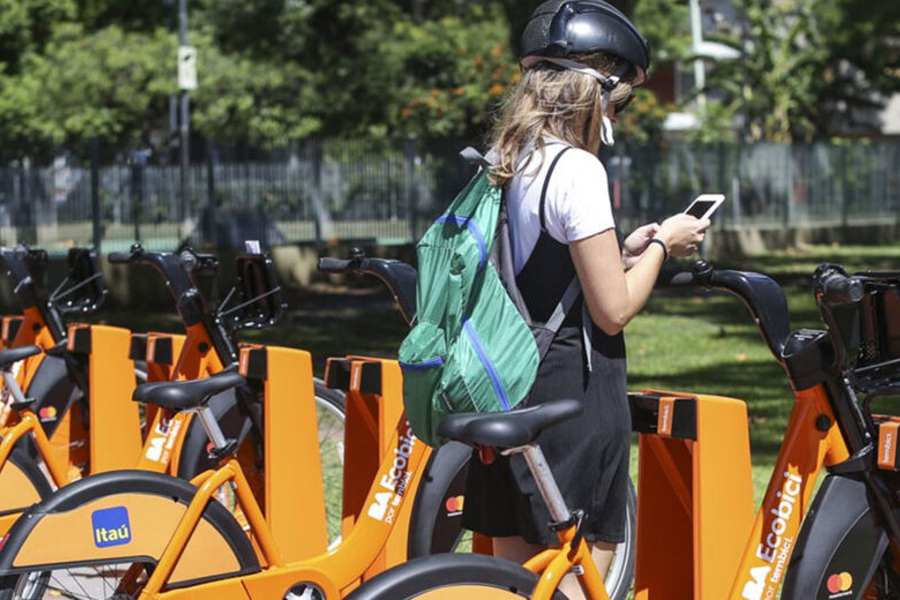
272, 71
810, 68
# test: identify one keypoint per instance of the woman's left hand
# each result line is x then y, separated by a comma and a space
636, 243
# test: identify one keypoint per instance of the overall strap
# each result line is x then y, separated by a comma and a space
543, 202
573, 291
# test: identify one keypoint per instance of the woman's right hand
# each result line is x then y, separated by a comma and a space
682, 234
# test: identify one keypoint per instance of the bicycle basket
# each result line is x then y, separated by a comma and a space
83, 290
256, 293
880, 328
870, 330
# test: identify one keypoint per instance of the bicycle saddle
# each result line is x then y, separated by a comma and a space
13, 355
507, 430
186, 394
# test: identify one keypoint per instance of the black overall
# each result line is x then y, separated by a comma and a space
588, 455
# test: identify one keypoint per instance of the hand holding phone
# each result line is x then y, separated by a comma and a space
704, 205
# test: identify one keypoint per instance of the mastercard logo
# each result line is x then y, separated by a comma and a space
455, 504
840, 583
48, 412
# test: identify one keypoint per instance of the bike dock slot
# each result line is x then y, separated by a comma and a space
114, 418
10, 327
696, 493
294, 503
373, 411
158, 351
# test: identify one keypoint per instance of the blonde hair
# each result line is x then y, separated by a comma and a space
552, 101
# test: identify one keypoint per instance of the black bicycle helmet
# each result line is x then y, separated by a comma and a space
561, 28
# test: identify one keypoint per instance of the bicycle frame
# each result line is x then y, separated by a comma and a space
716, 548
114, 440
165, 433
30, 328
290, 532
573, 555
807, 447
553, 565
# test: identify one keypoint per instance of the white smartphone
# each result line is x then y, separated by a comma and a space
704, 205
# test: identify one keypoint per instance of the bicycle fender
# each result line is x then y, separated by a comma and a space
436, 521
839, 546
54, 391
126, 516
21, 484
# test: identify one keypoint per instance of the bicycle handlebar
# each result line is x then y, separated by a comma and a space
171, 266
839, 288
119, 258
328, 264
399, 277
762, 296
194, 262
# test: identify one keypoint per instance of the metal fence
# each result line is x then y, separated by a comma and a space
321, 191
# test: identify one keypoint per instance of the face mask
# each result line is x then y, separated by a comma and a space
606, 132
606, 126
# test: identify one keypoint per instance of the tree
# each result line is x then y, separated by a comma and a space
109, 85
809, 67
26, 26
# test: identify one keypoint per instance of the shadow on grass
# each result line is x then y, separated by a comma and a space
762, 385
336, 322
325, 324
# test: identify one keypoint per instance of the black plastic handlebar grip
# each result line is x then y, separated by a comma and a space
682, 278
119, 257
335, 265
838, 288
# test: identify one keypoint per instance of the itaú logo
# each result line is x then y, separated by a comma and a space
111, 527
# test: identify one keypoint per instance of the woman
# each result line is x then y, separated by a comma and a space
581, 61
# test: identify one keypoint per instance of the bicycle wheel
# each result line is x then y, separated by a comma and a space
114, 581
22, 483
885, 584
330, 412
330, 418
450, 577
436, 523
621, 571
73, 570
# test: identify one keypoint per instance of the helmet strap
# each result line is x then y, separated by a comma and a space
608, 83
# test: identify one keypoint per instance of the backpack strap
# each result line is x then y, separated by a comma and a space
586, 331
502, 256
474, 157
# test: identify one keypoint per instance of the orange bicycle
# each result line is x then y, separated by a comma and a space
49, 419
697, 537
131, 534
103, 432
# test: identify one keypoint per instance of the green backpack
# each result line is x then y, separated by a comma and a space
474, 347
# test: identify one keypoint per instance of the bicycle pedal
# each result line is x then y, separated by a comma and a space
18, 406
305, 591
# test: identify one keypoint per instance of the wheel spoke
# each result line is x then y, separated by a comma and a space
118, 581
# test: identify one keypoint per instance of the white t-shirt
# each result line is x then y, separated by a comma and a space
577, 203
